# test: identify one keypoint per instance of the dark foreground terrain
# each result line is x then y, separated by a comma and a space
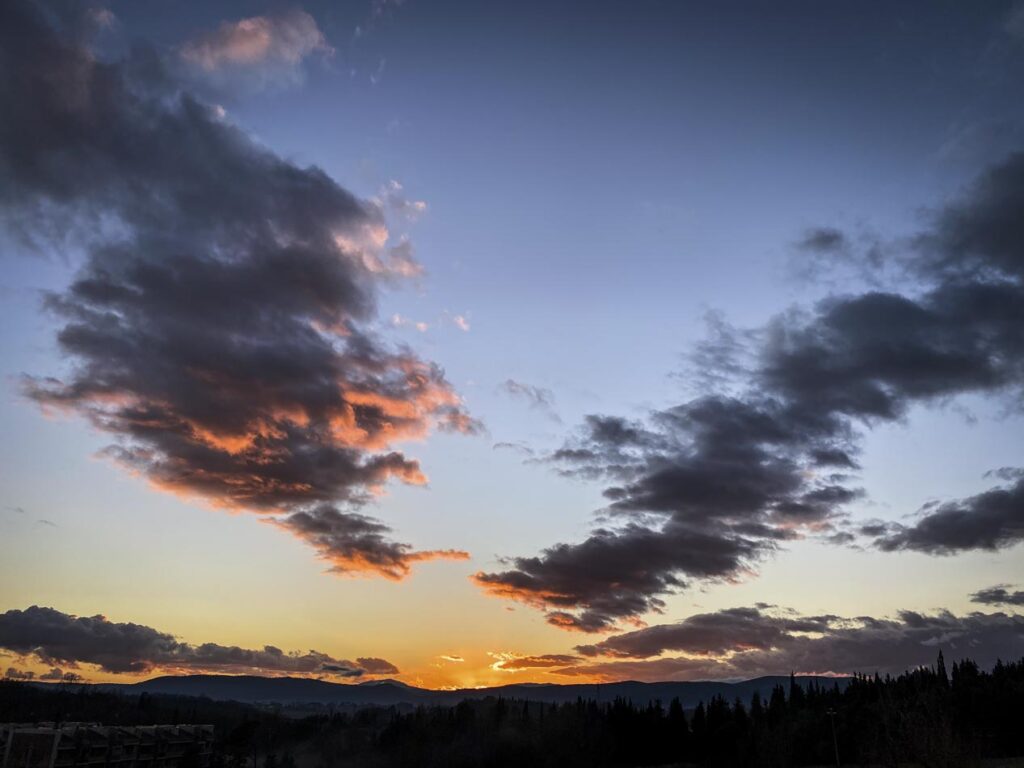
927, 717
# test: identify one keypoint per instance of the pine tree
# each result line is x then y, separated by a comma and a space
796, 692
756, 709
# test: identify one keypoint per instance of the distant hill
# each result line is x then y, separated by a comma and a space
294, 690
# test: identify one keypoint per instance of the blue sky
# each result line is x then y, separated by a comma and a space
597, 179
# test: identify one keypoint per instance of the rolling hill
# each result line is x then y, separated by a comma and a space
293, 690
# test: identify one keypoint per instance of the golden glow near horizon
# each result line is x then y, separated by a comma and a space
436, 626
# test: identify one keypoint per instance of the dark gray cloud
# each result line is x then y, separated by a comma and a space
743, 472
998, 595
710, 488
706, 634
1006, 474
375, 666
749, 642
353, 543
721, 361
58, 675
53, 637
980, 236
991, 520
19, 674
219, 327
607, 447
617, 574
832, 256
342, 670
518, 447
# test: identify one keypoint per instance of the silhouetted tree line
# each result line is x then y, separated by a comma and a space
927, 717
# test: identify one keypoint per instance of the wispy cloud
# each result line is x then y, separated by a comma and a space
392, 198
399, 321
1000, 594
505, 661
260, 51
538, 398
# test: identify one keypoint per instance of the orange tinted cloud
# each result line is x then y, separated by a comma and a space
356, 545
225, 337
257, 51
511, 662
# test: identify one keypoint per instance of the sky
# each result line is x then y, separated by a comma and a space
467, 344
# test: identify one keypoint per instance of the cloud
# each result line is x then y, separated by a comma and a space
823, 240
341, 670
392, 198
401, 262
452, 658
353, 544
654, 670
1006, 474
400, 321
617, 574
218, 328
538, 398
750, 642
518, 447
990, 521
58, 675
835, 257
977, 238
459, 321
512, 662
18, 674
708, 634
704, 489
980, 141
260, 51
375, 666
998, 595
721, 362
54, 638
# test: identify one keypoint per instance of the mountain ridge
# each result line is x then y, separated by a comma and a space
255, 689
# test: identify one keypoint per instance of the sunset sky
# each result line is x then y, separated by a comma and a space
472, 343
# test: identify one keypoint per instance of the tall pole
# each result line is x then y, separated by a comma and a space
835, 742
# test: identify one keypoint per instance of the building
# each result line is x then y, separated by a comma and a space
82, 745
